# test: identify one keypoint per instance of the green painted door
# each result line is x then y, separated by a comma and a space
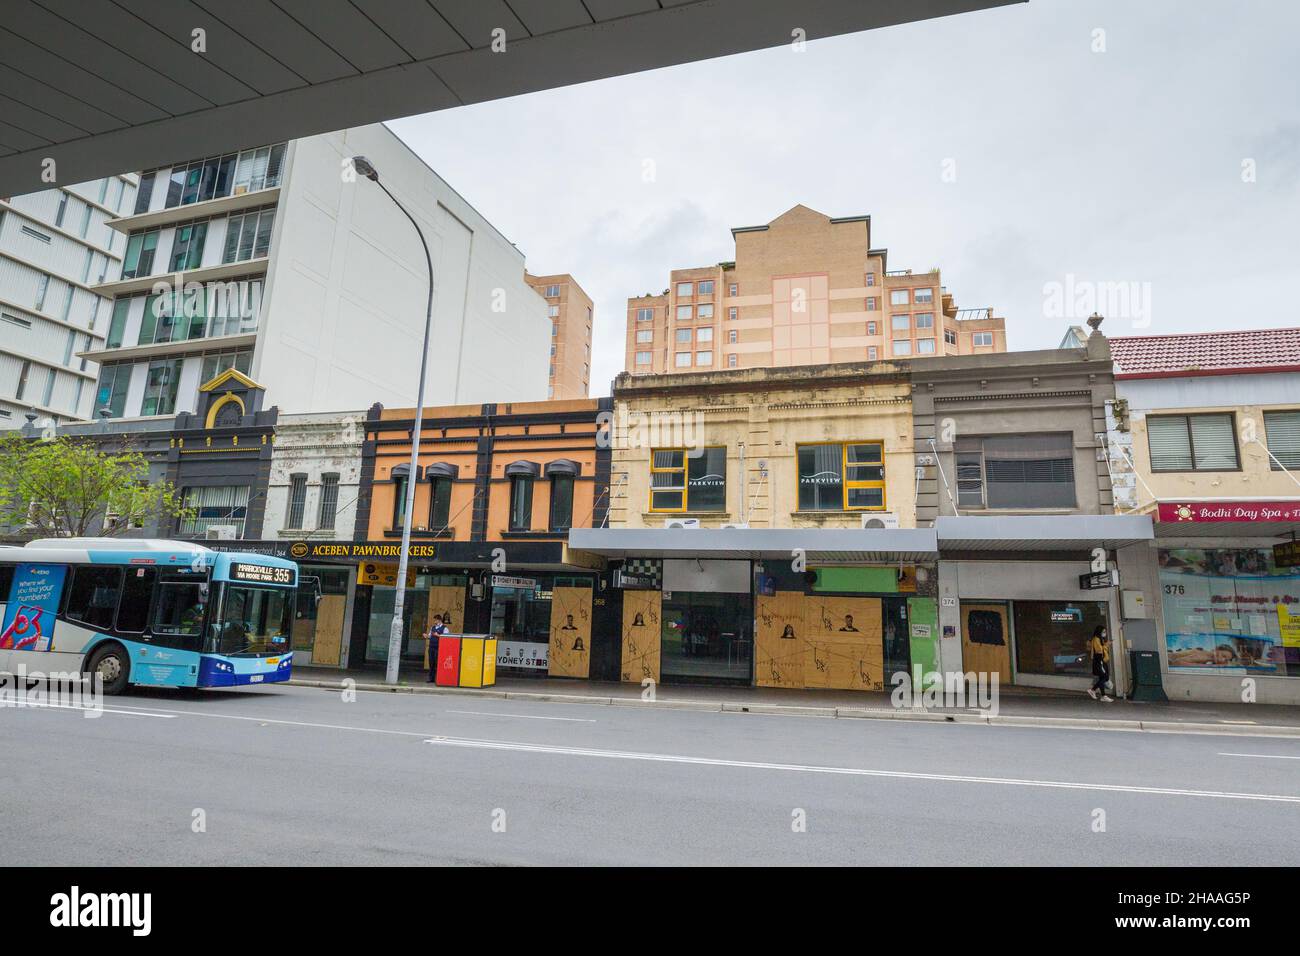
923, 631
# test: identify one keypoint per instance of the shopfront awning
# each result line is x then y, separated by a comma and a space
819, 545
1041, 532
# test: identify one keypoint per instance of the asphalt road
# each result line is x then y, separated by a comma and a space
297, 775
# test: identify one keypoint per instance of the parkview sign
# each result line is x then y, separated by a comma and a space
1211, 511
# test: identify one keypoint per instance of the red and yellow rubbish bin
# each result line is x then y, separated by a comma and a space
467, 660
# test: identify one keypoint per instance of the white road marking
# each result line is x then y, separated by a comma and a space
106, 710
854, 771
487, 713
1264, 756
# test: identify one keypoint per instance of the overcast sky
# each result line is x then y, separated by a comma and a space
995, 145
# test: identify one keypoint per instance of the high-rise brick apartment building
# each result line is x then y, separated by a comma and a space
804, 289
570, 310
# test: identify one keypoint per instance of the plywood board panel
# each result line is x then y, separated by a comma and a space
329, 629
570, 651
985, 645
641, 636
780, 639
845, 649
449, 601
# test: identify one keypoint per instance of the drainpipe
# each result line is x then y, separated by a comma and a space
744, 485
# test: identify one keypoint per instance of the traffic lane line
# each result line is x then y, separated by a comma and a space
486, 713
101, 710
854, 771
1264, 756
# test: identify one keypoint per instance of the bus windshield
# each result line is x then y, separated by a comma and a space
252, 620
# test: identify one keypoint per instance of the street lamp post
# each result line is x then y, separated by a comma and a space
367, 169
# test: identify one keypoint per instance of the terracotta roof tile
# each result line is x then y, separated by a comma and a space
1140, 356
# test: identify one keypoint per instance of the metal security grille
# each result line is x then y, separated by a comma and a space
297, 501
329, 502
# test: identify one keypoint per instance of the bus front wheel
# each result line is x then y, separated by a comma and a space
112, 664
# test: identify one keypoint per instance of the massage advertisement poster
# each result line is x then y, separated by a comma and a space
1230, 610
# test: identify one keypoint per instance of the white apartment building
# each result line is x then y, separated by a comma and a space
281, 262
55, 247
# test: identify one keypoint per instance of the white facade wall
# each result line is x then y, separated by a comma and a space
346, 293
1209, 391
315, 445
54, 246
341, 316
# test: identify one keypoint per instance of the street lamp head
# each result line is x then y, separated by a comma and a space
365, 167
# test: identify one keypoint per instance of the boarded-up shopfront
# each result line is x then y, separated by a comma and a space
767, 620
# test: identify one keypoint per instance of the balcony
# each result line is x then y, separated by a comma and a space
221, 206
124, 353
213, 273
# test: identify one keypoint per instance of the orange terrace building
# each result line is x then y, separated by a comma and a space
497, 489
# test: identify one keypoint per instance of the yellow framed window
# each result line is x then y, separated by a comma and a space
840, 476
688, 480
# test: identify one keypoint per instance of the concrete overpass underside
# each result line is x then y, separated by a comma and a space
103, 86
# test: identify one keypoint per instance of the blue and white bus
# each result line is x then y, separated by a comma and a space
147, 612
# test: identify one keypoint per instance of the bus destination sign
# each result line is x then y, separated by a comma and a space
260, 574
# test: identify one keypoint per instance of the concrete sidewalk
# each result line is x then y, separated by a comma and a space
1017, 706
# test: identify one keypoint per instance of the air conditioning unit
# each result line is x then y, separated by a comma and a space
221, 532
681, 522
879, 519
740, 524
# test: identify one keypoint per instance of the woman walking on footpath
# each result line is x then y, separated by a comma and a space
1099, 648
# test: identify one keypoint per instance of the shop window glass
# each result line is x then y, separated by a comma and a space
1230, 611
1052, 636
706, 636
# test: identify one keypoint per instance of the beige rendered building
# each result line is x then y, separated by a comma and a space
805, 289
570, 311
816, 446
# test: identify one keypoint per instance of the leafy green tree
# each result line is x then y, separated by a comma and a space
70, 487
